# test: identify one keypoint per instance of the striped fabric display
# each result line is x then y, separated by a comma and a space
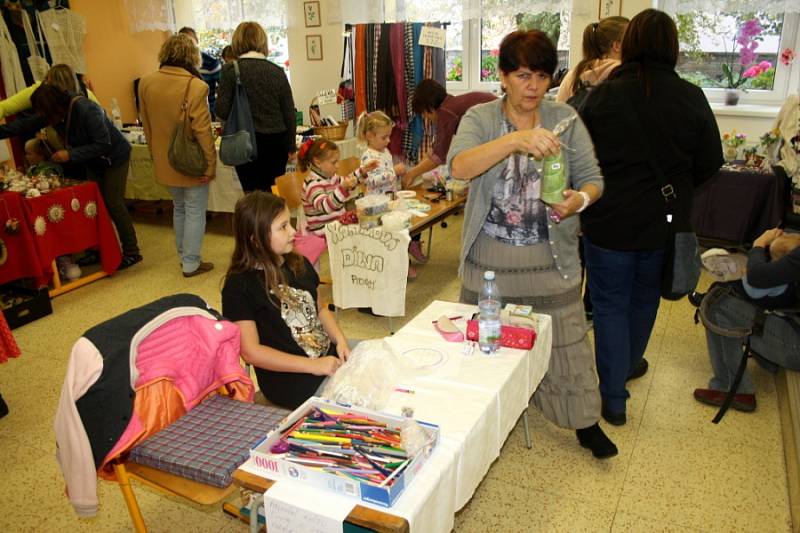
209, 442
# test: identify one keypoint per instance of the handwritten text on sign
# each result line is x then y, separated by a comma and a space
327, 96
434, 37
292, 507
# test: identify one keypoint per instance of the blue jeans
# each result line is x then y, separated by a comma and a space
625, 298
189, 221
779, 343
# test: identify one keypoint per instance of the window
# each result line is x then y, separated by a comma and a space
475, 29
215, 21
711, 55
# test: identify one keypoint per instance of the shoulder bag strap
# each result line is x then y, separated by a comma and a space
667, 190
185, 110
69, 119
236, 70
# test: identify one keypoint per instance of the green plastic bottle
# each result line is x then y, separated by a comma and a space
554, 181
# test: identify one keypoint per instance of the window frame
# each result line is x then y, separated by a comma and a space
786, 77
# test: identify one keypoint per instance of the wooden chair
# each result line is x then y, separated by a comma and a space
290, 188
347, 166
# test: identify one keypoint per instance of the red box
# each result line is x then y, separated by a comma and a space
510, 336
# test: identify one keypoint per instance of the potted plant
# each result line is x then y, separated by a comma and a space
770, 142
730, 145
736, 73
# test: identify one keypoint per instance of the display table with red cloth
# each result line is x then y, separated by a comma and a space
738, 204
59, 229
19, 249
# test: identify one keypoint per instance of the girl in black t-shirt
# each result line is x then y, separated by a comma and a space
270, 292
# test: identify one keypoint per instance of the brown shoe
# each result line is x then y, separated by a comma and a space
741, 402
202, 268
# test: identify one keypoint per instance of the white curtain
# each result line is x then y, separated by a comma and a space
227, 14
772, 7
150, 15
374, 11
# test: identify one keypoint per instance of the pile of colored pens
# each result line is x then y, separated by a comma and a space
345, 444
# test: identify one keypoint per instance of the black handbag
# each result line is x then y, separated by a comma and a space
681, 270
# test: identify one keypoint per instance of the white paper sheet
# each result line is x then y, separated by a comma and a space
295, 508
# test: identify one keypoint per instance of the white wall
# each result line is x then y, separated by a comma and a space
309, 77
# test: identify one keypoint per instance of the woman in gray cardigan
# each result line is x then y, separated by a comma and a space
532, 246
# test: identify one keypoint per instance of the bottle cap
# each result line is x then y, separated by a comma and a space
488, 275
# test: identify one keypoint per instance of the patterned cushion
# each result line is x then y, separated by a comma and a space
209, 442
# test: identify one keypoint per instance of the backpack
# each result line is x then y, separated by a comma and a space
238, 144
578, 100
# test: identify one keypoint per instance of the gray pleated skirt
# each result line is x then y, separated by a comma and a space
568, 395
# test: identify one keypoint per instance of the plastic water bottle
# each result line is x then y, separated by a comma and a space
489, 318
116, 114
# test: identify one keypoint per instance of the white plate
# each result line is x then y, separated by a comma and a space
406, 194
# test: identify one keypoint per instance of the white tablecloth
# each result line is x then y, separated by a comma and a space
223, 192
476, 403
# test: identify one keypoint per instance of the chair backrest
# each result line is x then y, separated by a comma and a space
290, 188
347, 166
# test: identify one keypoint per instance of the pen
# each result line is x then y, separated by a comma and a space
449, 318
407, 391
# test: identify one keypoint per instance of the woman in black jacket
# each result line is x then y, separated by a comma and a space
643, 120
91, 140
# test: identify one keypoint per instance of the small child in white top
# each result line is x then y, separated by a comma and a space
374, 129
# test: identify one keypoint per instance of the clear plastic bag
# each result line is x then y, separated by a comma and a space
368, 377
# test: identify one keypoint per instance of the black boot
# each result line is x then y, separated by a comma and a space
3, 407
597, 441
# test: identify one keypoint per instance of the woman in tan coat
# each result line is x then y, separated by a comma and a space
161, 95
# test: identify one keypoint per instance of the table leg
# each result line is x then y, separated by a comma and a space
527, 428
430, 239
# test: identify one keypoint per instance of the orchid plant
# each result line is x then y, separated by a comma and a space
747, 38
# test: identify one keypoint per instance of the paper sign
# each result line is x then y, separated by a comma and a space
328, 96
434, 37
295, 508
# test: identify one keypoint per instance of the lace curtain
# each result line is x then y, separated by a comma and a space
372, 11
767, 6
227, 14
150, 15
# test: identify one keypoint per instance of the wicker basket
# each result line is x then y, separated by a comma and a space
333, 133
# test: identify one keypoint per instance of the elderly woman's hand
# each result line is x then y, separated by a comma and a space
573, 201
538, 142
767, 237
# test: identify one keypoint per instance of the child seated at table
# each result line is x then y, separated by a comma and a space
270, 292
374, 129
778, 248
36, 158
324, 191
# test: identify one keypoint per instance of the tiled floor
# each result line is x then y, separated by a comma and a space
675, 472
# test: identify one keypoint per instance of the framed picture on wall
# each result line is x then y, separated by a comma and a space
314, 47
609, 8
311, 14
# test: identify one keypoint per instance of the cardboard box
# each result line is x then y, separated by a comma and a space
35, 304
274, 466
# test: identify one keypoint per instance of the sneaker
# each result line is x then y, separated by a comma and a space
613, 418
415, 249
412, 272
640, 370
597, 441
741, 402
90, 257
202, 268
129, 260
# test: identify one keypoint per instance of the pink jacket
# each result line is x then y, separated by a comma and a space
185, 353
